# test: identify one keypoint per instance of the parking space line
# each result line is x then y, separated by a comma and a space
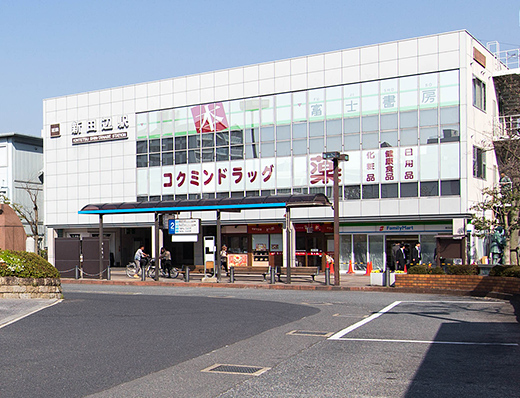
341, 333
428, 342
30, 313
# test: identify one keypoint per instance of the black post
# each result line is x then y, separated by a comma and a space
101, 246
327, 276
336, 222
217, 254
231, 274
186, 273
157, 262
288, 243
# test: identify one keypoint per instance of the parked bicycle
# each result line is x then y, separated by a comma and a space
150, 269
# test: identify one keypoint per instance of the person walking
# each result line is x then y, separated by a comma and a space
400, 258
416, 254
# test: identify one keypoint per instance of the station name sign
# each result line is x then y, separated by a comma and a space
95, 130
98, 138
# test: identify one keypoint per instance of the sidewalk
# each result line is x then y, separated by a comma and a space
347, 282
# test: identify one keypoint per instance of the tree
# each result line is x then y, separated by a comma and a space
28, 215
500, 207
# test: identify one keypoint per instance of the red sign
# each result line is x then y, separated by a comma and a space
210, 117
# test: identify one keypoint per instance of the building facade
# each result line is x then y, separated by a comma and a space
21, 175
415, 118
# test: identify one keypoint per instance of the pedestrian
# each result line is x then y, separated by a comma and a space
140, 260
395, 249
166, 261
223, 259
400, 258
416, 254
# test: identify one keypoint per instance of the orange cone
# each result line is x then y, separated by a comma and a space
369, 268
350, 269
405, 270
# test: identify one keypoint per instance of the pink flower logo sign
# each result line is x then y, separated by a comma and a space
210, 117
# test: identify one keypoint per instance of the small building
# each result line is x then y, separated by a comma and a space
21, 175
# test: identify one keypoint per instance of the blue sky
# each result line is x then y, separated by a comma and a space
53, 48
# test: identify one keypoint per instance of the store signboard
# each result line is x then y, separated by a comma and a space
184, 226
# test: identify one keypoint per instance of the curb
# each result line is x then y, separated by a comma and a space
496, 295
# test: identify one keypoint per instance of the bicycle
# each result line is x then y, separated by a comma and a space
149, 267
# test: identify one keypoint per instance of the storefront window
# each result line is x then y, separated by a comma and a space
376, 251
427, 249
260, 242
345, 251
275, 242
360, 252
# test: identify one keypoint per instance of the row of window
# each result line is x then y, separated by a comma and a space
348, 192
427, 91
237, 144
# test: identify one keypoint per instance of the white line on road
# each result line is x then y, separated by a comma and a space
426, 342
345, 331
30, 313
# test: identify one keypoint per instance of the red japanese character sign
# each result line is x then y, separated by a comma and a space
210, 117
409, 164
321, 171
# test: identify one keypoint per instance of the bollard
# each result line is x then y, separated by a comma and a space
186, 274
232, 274
327, 276
77, 272
387, 277
108, 274
272, 275
143, 273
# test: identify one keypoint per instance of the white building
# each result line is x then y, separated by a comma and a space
414, 116
21, 174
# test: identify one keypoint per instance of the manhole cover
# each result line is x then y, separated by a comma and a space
236, 369
310, 333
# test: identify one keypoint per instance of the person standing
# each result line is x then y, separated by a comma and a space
223, 258
400, 258
416, 254
166, 261
139, 259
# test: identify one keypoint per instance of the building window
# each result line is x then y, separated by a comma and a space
479, 94
430, 188
409, 189
479, 163
389, 191
371, 191
450, 187
352, 192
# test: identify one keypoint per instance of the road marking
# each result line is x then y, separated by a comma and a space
350, 316
427, 342
30, 313
345, 331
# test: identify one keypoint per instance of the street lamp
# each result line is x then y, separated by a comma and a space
336, 157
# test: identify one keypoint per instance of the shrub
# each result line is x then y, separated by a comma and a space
506, 271
425, 270
463, 269
437, 271
25, 265
418, 269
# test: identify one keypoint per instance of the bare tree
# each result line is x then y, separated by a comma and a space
28, 214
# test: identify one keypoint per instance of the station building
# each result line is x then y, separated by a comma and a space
414, 116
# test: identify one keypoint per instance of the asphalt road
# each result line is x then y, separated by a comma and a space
128, 341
